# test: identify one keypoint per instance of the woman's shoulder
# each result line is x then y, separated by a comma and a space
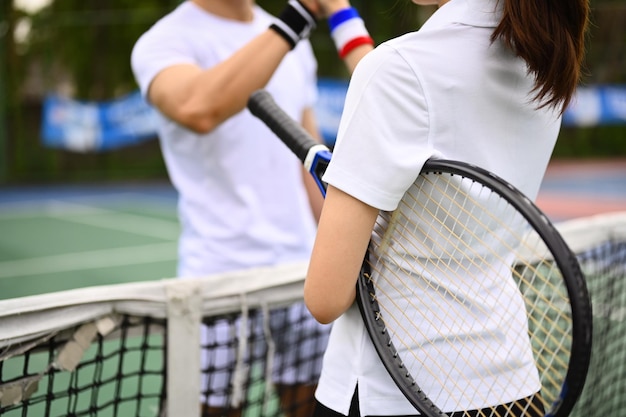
386, 57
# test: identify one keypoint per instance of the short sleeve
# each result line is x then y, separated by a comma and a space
383, 138
156, 50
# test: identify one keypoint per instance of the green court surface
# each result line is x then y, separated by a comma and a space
61, 238
64, 238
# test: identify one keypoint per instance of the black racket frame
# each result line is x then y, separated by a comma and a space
575, 284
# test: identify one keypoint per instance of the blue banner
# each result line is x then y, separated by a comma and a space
95, 126
329, 106
599, 105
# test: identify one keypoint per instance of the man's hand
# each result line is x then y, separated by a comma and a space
325, 8
314, 7
328, 7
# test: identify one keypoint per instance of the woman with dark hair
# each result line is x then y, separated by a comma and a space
482, 81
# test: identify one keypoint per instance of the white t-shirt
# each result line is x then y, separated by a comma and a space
241, 198
444, 91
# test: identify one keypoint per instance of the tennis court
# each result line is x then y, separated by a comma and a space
69, 237
63, 237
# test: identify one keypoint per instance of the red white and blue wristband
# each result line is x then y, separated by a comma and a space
348, 31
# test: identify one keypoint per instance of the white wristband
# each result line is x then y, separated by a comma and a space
347, 31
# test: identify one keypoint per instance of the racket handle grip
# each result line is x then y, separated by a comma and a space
262, 105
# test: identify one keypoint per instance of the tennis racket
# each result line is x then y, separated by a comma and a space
468, 292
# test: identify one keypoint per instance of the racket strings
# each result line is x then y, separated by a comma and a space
432, 285
442, 367
389, 312
442, 373
484, 312
442, 370
533, 251
558, 335
539, 255
477, 259
403, 237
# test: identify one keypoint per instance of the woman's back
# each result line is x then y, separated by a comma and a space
444, 91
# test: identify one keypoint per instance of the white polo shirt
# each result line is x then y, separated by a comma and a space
444, 91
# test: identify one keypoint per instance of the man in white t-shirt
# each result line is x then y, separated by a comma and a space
244, 199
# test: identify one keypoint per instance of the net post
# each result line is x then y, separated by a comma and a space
184, 304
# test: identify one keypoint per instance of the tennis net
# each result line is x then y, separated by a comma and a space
135, 349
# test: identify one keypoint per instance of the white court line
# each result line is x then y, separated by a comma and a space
27, 208
102, 218
97, 217
114, 220
97, 259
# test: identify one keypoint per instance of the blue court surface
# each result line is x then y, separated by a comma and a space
66, 236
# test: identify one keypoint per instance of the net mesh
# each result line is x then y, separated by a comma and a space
605, 269
82, 372
118, 350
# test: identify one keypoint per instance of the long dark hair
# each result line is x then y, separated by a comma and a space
550, 36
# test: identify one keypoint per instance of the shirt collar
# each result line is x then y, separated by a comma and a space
482, 13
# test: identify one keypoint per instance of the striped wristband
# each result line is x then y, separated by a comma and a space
348, 31
294, 23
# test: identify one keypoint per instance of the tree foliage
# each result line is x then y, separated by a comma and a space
82, 48
87, 43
